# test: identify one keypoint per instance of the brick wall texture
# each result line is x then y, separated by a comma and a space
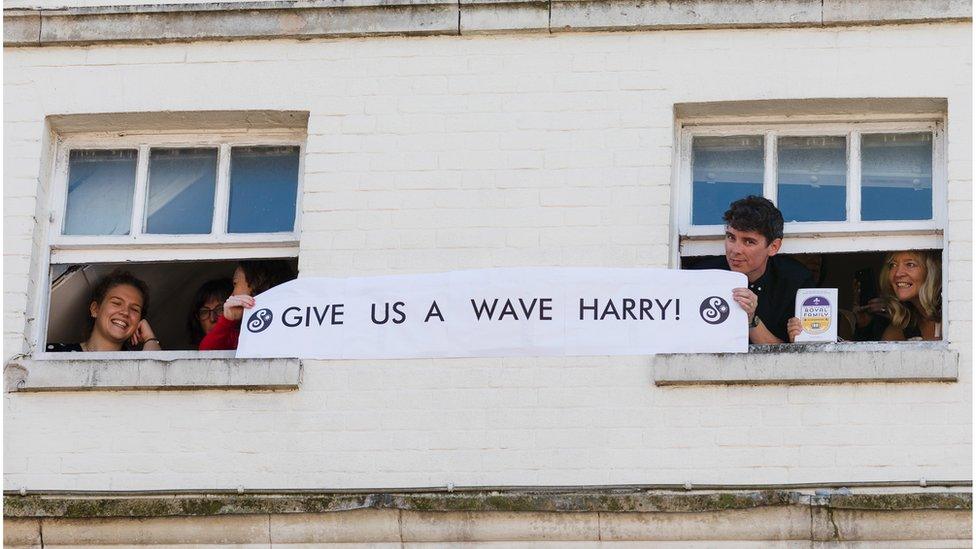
433, 154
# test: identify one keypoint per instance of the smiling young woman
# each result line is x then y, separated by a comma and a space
117, 309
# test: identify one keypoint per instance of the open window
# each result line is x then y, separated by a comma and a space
172, 285
175, 208
841, 270
854, 179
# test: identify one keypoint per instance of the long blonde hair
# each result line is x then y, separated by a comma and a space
929, 295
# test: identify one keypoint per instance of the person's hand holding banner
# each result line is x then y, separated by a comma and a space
748, 300
235, 305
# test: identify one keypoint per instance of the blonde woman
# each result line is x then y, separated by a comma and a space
911, 292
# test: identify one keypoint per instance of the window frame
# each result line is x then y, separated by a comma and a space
814, 236
168, 245
138, 246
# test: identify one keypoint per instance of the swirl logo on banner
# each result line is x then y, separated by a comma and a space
714, 310
260, 321
544, 311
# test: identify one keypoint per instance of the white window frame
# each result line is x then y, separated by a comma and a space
138, 246
852, 235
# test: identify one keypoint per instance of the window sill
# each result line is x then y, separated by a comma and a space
813, 363
163, 370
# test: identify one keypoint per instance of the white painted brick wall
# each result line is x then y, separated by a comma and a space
431, 154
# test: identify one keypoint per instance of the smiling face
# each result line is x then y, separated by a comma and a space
118, 314
748, 251
906, 274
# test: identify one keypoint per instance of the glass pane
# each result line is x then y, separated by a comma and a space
263, 185
896, 176
812, 178
100, 187
724, 169
181, 191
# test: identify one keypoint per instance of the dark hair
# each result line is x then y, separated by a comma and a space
755, 213
115, 278
218, 288
119, 277
266, 274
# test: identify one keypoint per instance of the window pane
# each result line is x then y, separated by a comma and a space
812, 178
896, 176
181, 191
724, 169
100, 187
263, 185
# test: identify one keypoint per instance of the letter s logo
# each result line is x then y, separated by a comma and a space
259, 321
714, 310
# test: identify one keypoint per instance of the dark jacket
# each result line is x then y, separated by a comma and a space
776, 289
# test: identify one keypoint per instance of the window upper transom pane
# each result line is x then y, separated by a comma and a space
180, 199
263, 189
725, 169
812, 178
896, 176
100, 190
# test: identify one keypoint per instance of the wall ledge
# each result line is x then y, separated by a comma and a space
304, 19
938, 518
814, 363
153, 371
103, 505
179, 121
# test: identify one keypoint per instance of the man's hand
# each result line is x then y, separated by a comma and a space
747, 300
235, 305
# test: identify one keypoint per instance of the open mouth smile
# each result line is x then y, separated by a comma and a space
120, 323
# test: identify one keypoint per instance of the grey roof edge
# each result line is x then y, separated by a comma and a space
275, 19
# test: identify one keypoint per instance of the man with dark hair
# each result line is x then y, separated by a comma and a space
753, 236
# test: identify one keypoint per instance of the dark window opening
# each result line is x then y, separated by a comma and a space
172, 288
841, 270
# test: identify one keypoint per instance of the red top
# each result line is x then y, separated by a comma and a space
223, 336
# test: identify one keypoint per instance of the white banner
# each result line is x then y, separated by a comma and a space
555, 311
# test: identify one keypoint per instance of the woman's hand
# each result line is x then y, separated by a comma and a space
235, 305
794, 327
144, 334
875, 306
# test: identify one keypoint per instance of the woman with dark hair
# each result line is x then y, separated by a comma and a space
208, 305
250, 279
117, 310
